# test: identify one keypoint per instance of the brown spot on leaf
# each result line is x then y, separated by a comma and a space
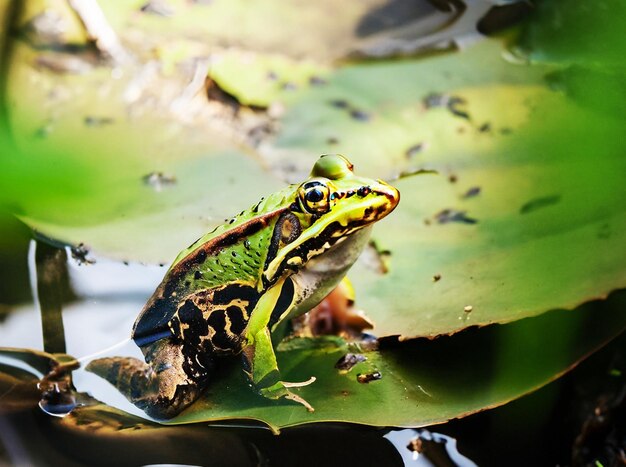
471, 192
446, 216
368, 377
539, 203
349, 361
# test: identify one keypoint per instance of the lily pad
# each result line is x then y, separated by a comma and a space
423, 381
515, 261
544, 230
544, 227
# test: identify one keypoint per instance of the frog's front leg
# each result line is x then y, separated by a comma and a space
262, 369
258, 353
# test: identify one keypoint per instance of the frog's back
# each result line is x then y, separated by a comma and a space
209, 292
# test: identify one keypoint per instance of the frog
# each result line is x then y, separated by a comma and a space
231, 291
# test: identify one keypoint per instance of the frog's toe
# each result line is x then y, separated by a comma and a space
296, 398
311, 380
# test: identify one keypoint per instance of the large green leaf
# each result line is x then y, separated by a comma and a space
423, 381
550, 223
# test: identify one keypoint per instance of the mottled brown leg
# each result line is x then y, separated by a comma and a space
161, 388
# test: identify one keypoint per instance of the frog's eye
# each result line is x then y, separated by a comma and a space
314, 197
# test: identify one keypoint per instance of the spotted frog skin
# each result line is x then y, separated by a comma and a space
231, 289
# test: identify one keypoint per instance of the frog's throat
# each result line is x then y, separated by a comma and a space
331, 228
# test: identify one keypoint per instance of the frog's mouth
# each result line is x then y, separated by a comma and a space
365, 208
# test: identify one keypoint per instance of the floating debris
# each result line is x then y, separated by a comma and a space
92, 121
79, 253
356, 114
452, 178
348, 361
485, 127
452, 215
317, 81
473, 191
289, 86
454, 106
368, 377
158, 180
453, 103
339, 103
360, 115
332, 140
414, 150
468, 308
436, 277
539, 203
414, 171
158, 7
435, 100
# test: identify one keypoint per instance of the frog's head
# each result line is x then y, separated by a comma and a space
331, 205
339, 202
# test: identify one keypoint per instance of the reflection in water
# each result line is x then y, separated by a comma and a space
107, 296
422, 448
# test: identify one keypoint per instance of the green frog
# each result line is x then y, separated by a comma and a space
228, 292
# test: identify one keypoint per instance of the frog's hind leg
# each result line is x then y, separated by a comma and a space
161, 388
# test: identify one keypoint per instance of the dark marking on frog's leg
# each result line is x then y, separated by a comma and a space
237, 318
224, 341
284, 302
192, 331
233, 292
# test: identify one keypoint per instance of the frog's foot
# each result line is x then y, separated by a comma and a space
280, 389
311, 380
300, 400
294, 397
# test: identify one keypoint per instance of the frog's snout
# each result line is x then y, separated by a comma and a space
390, 194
